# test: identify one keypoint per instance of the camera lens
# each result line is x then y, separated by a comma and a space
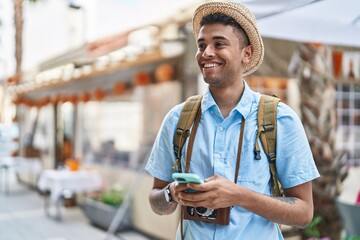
203, 211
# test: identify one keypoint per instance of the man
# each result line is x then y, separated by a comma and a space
229, 48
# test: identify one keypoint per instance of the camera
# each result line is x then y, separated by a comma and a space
218, 216
202, 212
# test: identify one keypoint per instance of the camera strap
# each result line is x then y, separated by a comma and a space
191, 143
189, 152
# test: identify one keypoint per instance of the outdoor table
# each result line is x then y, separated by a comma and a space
58, 181
18, 165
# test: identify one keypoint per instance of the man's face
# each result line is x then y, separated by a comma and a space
221, 54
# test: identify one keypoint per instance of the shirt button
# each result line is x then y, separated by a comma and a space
221, 129
217, 155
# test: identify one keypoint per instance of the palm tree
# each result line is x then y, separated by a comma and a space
318, 111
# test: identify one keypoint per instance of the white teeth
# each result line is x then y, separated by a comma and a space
210, 65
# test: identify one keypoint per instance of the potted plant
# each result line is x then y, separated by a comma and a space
102, 208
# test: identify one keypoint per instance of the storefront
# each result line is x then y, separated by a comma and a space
104, 108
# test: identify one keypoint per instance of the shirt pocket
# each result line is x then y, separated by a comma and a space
253, 173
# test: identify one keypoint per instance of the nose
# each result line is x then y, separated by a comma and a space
208, 52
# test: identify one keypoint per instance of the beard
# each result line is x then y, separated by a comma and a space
218, 80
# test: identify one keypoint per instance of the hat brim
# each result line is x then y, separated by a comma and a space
245, 19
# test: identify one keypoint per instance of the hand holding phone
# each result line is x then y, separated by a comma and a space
184, 178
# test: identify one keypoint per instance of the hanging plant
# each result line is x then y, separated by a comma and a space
84, 97
119, 88
142, 78
99, 94
164, 72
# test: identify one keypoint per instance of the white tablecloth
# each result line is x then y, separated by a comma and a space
21, 164
57, 181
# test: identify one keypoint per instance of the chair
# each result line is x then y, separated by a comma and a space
350, 217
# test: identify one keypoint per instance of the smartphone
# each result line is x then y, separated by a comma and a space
187, 178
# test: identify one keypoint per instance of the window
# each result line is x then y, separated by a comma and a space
348, 114
111, 131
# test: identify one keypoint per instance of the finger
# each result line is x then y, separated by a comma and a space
192, 197
196, 187
189, 202
181, 187
185, 196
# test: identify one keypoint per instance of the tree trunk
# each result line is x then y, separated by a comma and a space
318, 110
18, 21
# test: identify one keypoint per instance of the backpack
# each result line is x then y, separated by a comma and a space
266, 133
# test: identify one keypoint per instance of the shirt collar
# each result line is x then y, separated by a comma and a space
244, 106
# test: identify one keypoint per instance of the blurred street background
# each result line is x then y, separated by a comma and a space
85, 84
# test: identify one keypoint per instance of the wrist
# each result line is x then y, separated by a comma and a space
167, 194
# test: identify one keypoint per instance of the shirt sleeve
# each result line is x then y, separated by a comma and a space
294, 161
162, 156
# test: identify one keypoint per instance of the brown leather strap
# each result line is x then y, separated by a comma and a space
182, 223
191, 143
189, 152
241, 137
191, 140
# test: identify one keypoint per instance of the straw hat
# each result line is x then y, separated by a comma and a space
241, 15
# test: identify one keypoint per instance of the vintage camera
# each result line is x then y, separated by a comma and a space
202, 212
217, 216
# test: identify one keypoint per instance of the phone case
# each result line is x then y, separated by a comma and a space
187, 177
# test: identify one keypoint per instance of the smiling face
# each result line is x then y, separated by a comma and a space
221, 54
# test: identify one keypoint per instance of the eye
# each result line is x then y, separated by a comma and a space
201, 47
219, 44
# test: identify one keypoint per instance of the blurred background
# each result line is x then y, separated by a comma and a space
84, 86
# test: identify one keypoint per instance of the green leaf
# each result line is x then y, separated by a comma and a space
312, 229
113, 197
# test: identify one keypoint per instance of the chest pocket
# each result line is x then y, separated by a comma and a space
253, 174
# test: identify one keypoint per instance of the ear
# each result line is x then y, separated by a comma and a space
247, 54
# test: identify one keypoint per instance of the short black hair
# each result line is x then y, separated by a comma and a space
226, 20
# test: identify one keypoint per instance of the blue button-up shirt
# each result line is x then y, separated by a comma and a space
215, 151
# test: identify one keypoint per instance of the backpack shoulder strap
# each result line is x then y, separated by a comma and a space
267, 134
186, 119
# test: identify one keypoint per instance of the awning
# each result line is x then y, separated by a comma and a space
331, 22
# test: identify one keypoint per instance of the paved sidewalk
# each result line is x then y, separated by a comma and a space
22, 217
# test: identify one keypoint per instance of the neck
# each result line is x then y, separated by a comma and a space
227, 98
